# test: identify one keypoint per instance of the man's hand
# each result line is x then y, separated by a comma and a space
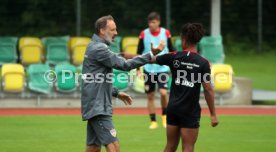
158, 49
214, 121
125, 98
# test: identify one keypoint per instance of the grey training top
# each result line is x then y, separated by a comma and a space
98, 62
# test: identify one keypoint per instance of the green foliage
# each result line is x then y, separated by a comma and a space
51, 18
238, 46
239, 27
244, 46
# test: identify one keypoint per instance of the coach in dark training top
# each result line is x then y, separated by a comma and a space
97, 90
189, 71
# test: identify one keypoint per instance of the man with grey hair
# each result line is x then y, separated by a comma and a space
96, 105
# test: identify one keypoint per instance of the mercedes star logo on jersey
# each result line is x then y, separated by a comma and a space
176, 63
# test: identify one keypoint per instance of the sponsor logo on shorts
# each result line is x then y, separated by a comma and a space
113, 132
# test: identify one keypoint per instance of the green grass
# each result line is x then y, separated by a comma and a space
261, 69
67, 134
271, 102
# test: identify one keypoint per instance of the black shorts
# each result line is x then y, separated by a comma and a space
183, 121
100, 131
151, 79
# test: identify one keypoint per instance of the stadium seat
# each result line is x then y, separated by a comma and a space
56, 49
130, 45
222, 77
116, 45
212, 48
138, 83
77, 47
13, 77
31, 50
79, 71
174, 38
120, 79
8, 50
40, 78
170, 83
65, 77
177, 44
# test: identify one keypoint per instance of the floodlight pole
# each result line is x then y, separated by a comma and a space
78, 18
168, 14
260, 25
215, 17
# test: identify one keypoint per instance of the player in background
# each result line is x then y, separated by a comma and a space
155, 74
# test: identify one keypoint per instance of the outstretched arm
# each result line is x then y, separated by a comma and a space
111, 60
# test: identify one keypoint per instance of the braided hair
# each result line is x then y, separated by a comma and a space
192, 33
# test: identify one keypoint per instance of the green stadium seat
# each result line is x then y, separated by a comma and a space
56, 49
170, 82
39, 78
79, 71
8, 50
65, 74
120, 79
115, 46
173, 38
177, 44
211, 48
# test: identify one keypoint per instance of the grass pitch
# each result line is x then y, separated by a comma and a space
260, 68
67, 134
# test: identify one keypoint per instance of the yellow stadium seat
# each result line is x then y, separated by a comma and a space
77, 47
130, 45
31, 50
222, 75
13, 77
